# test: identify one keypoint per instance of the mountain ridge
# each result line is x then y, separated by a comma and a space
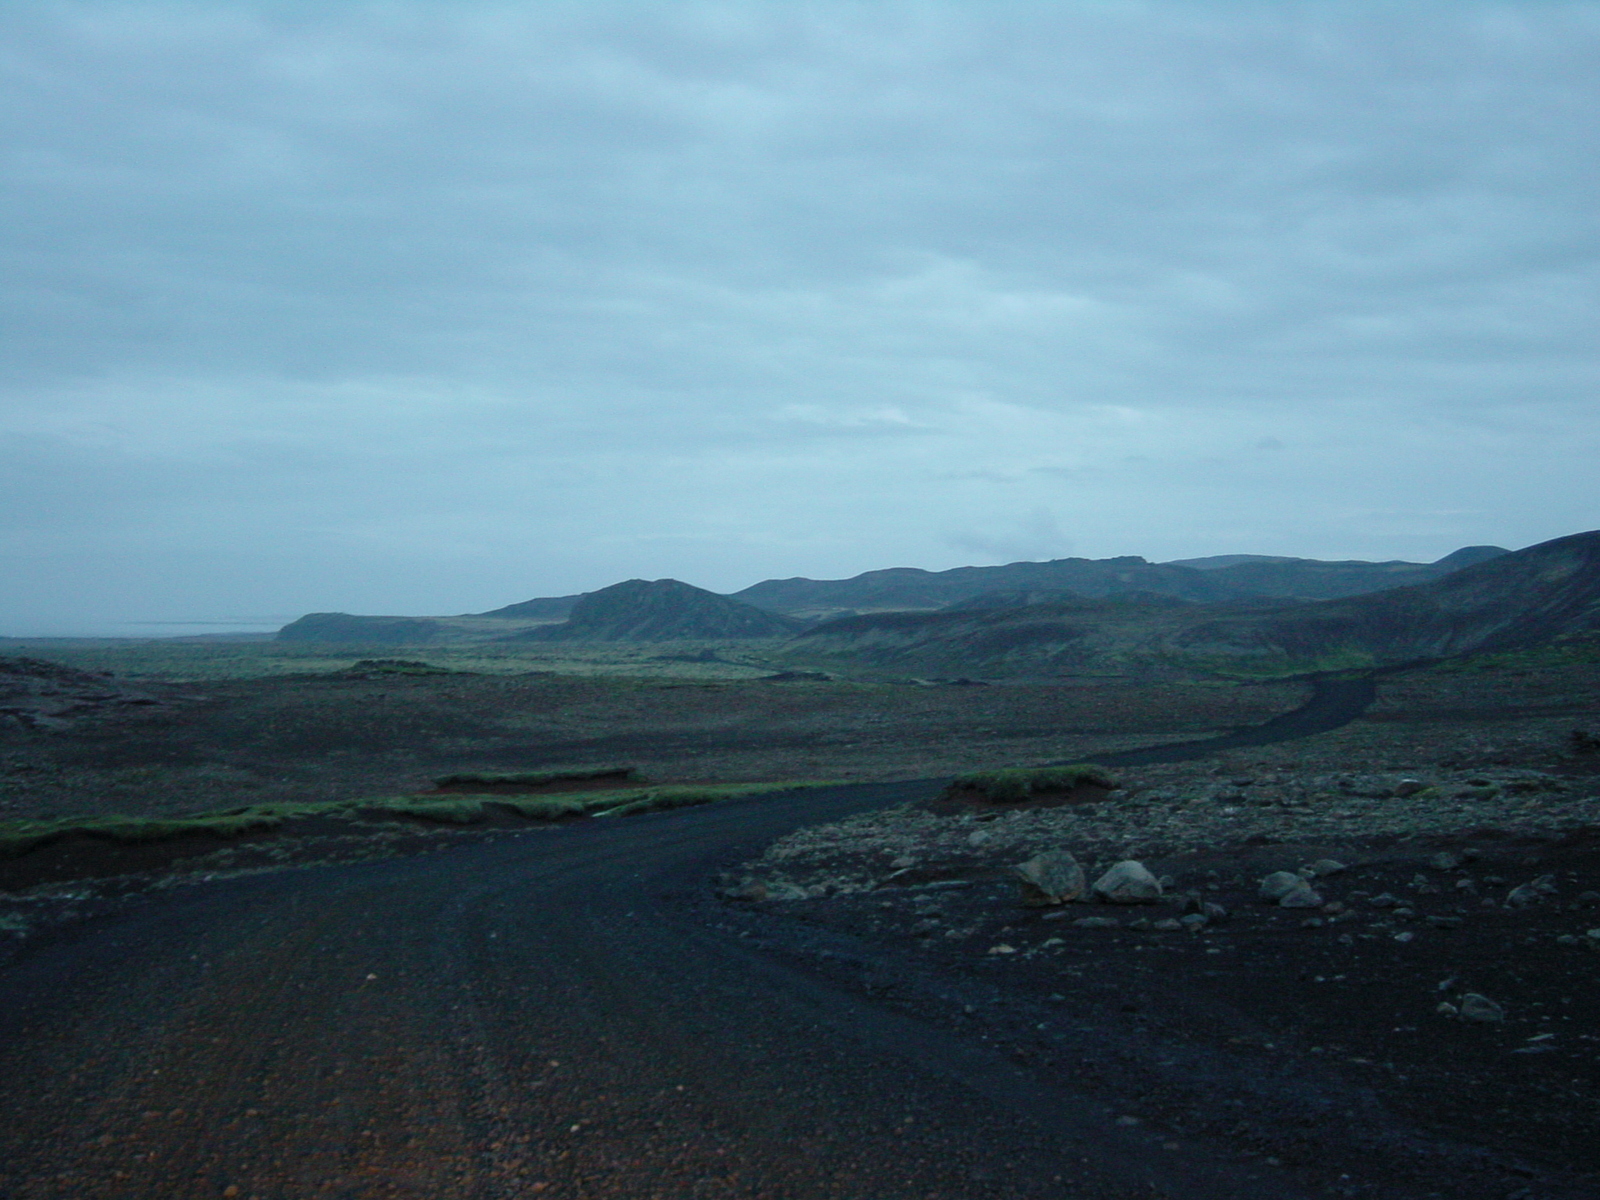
1502, 602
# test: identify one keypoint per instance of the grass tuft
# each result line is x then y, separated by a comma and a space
1015, 784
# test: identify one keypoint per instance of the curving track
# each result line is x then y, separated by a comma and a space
550, 1014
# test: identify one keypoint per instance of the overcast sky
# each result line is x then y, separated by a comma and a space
429, 308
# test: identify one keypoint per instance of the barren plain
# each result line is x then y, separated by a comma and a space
1330, 1046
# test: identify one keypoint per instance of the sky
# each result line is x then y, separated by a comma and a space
428, 308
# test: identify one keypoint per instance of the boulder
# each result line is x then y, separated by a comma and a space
1303, 896
1279, 884
1128, 883
1533, 892
1054, 877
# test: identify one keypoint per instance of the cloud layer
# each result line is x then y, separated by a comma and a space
433, 307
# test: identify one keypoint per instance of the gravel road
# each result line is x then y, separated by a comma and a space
555, 1014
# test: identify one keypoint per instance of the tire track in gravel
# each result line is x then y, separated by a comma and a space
532, 1015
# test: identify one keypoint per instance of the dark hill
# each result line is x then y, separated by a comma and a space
539, 608
657, 611
1507, 601
1032, 598
376, 631
913, 588
1226, 577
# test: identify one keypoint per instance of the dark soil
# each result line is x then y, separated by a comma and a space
1294, 1037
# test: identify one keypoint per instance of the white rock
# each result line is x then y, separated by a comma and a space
1300, 897
1279, 884
1128, 883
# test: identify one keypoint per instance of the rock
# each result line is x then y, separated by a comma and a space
1301, 897
1054, 877
1589, 897
1325, 866
1441, 922
1383, 900
1003, 948
1409, 787
752, 890
1128, 883
1405, 936
1533, 892
1214, 912
1195, 922
1279, 884
1480, 1008
1444, 861
1167, 924
978, 837
1096, 923
1446, 1009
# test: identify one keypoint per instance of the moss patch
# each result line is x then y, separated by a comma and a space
20, 837
1017, 785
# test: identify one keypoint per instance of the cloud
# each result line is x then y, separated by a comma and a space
1037, 536
434, 305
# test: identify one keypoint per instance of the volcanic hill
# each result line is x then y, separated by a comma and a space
1504, 602
1229, 577
660, 610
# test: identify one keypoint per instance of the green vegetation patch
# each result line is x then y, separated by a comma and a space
1015, 784
540, 778
19, 837
396, 666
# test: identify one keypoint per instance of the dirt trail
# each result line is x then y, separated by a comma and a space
544, 1015
566, 1013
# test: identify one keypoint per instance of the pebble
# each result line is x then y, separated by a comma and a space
1444, 861
1167, 924
1097, 923
1406, 936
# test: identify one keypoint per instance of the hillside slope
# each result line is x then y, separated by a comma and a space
1509, 600
1237, 577
640, 610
